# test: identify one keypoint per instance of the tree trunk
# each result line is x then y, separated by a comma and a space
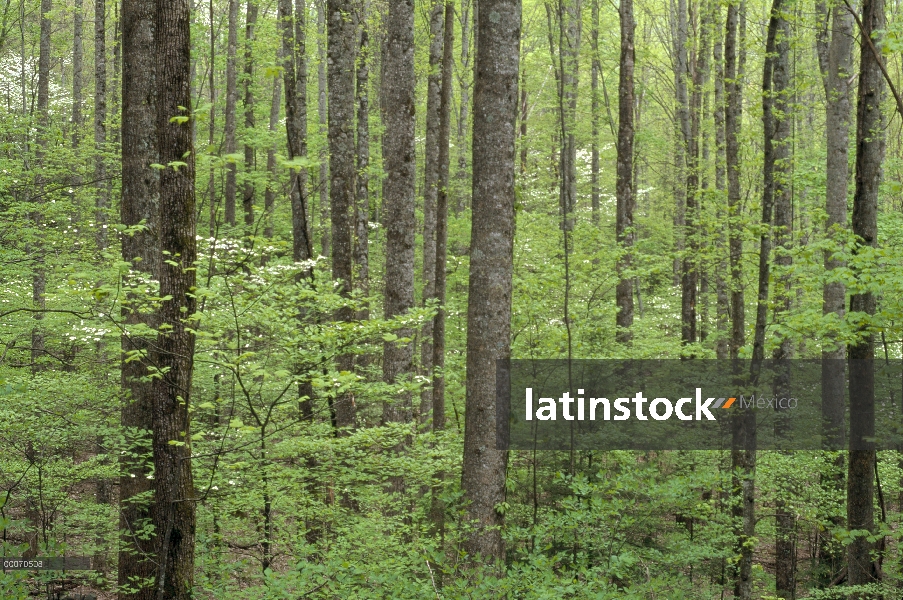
464, 83
722, 346
77, 70
430, 190
140, 197
733, 117
869, 155
248, 198
100, 120
595, 68
362, 203
399, 163
626, 197
492, 235
835, 54
341, 58
211, 184
321, 113
39, 275
174, 508
295, 82
437, 506
272, 178
231, 103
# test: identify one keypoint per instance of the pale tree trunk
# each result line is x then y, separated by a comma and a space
492, 236
295, 82
269, 197
231, 103
437, 506
248, 196
464, 104
341, 58
77, 70
211, 184
430, 190
626, 195
140, 197
722, 346
39, 276
594, 109
834, 44
100, 120
362, 198
323, 182
400, 166
174, 508
869, 155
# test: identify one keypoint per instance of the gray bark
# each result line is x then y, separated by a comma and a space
400, 165
869, 155
100, 120
323, 183
594, 91
733, 73
174, 508
248, 196
231, 105
626, 195
140, 197
722, 346
77, 70
341, 58
430, 191
492, 234
269, 198
362, 199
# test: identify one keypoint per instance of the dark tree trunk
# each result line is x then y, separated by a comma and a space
626, 195
295, 82
362, 199
492, 235
174, 508
733, 116
869, 155
399, 163
248, 197
464, 83
680, 60
342, 167
211, 184
140, 197
231, 104
722, 346
834, 45
100, 120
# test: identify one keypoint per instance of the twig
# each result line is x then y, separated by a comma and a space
433, 580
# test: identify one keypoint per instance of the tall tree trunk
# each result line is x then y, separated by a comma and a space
77, 70
722, 346
362, 199
835, 54
140, 197
869, 155
430, 190
626, 197
492, 236
211, 184
323, 182
174, 508
272, 176
294, 68
39, 275
100, 120
733, 117
595, 68
248, 196
567, 66
680, 38
231, 104
400, 166
341, 58
437, 506
464, 104
777, 124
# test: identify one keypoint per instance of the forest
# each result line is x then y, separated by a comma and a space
263, 263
